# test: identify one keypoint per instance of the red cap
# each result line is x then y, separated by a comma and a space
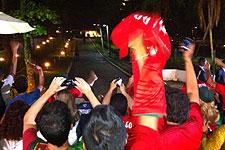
154, 32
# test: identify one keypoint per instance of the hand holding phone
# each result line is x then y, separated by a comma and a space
185, 43
119, 81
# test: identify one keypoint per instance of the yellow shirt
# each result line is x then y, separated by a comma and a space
216, 142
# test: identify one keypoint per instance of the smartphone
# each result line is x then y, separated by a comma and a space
119, 81
185, 43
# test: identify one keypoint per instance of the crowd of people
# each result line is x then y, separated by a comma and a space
144, 114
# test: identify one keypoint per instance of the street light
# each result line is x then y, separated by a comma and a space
62, 53
50, 38
47, 64
43, 42
38, 46
47, 41
100, 29
107, 33
2, 59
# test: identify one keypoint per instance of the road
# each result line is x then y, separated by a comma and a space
90, 59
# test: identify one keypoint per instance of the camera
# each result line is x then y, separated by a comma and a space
68, 83
119, 81
185, 43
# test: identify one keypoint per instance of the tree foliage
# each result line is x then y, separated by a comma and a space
36, 15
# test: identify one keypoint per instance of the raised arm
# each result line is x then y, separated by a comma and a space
14, 48
192, 87
29, 118
85, 88
129, 99
41, 78
219, 62
108, 95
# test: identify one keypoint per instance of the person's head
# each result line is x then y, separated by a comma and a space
105, 130
208, 109
11, 127
54, 122
119, 103
177, 108
68, 98
201, 61
21, 83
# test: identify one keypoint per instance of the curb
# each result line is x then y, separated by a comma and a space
112, 63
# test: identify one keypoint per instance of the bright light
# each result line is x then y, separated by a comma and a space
223, 45
2, 59
47, 64
43, 42
196, 27
38, 46
57, 31
62, 53
47, 41
17, 55
104, 25
50, 38
68, 39
94, 24
66, 46
67, 31
124, 4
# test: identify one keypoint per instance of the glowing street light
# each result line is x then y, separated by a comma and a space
50, 38
62, 53
47, 41
66, 46
43, 42
47, 64
38, 46
2, 59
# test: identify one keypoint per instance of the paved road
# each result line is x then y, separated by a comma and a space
90, 59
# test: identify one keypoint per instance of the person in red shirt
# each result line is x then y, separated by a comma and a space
53, 120
184, 123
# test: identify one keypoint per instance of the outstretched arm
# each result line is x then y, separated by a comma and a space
129, 99
108, 95
41, 78
85, 88
192, 87
29, 118
14, 47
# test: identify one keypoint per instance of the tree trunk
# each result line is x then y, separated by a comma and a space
213, 52
27, 59
3, 5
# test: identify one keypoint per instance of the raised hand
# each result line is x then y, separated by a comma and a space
82, 85
55, 85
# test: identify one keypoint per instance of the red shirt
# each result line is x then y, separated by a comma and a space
130, 121
29, 136
186, 136
143, 138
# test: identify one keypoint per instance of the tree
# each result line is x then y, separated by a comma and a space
36, 15
213, 15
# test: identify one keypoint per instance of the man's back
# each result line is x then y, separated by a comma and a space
185, 136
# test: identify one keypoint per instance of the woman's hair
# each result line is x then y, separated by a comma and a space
209, 112
11, 127
68, 98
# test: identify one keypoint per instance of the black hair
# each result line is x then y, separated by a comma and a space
105, 130
201, 59
54, 122
177, 108
21, 84
119, 103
